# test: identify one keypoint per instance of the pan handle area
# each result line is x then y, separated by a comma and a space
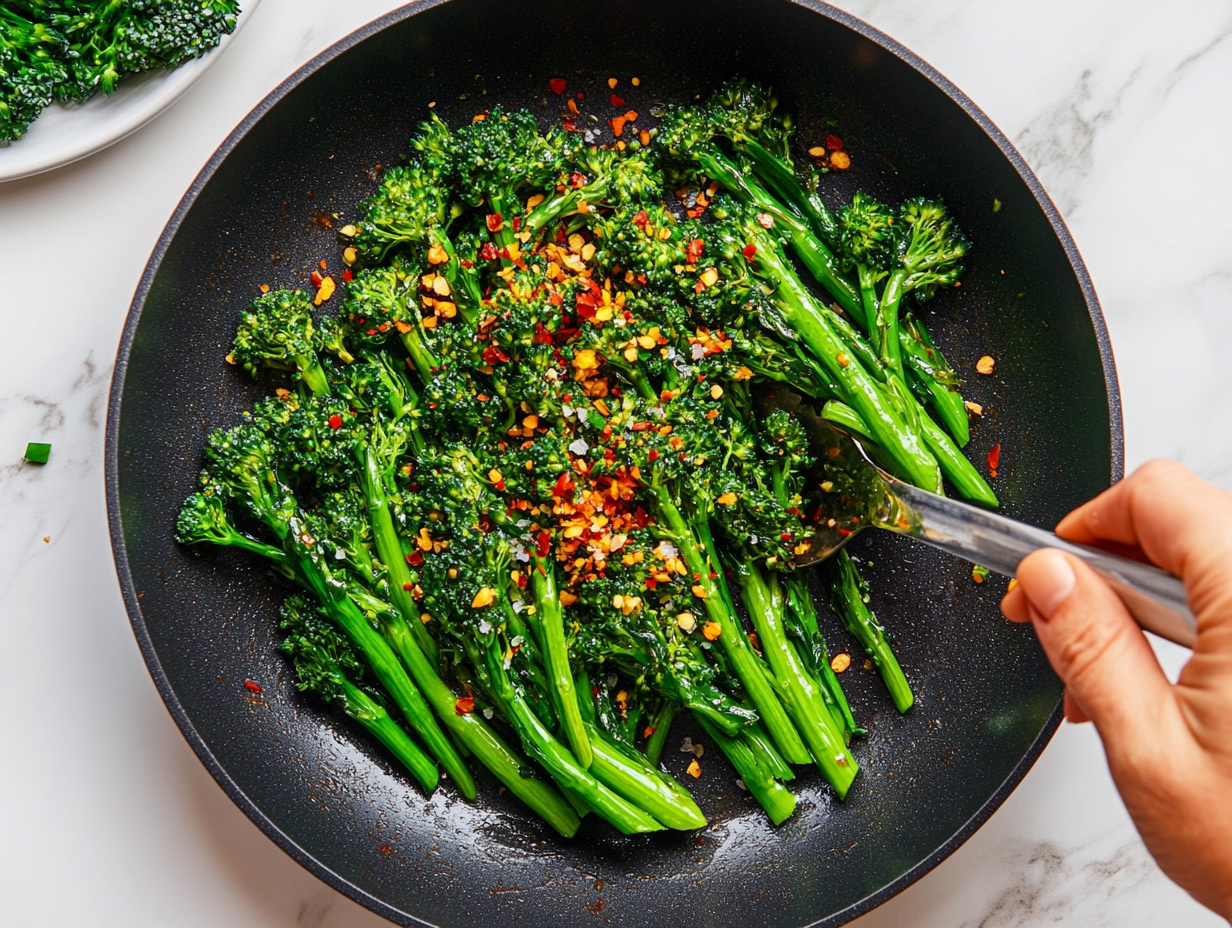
1155, 598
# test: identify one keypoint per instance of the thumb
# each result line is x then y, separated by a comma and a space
1097, 648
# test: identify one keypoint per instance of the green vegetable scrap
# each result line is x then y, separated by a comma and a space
37, 453
66, 50
525, 475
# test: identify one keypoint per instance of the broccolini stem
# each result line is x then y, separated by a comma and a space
778, 801
802, 609
781, 179
361, 707
809, 249
805, 699
887, 321
813, 325
473, 733
627, 773
313, 374
389, 549
957, 469
928, 365
556, 759
552, 627
384, 663
848, 601
744, 662
662, 724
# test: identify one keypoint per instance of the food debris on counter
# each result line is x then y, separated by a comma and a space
37, 452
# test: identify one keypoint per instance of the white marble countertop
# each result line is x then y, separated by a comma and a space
108, 819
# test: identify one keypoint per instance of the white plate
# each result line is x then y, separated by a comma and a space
65, 133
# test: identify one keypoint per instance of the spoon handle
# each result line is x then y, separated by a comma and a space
1155, 598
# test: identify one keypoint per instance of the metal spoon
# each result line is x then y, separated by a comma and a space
855, 494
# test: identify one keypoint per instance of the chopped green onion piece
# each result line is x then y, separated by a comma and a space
37, 452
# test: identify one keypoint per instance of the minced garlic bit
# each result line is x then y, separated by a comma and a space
727, 499
840, 160
985, 364
686, 621
974, 408
485, 597
699, 591
711, 630
840, 662
325, 291
695, 769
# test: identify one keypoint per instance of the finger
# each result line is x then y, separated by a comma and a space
1073, 712
1164, 509
1014, 604
1179, 522
1095, 646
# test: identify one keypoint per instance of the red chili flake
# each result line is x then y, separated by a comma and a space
609, 455
249, 685
335, 421
556, 299
347, 276
488, 252
542, 335
563, 486
408, 586
569, 125
844, 532
641, 218
576, 180
833, 141
653, 455
650, 730
543, 544
994, 459
493, 355
316, 279
694, 251
522, 581
468, 264
415, 558
750, 251
786, 536
485, 522
617, 101
464, 706
495, 222
385, 849
651, 583
557, 84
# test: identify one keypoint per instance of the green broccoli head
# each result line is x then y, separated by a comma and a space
644, 240
31, 69
408, 209
380, 299
204, 520
434, 146
867, 233
241, 462
276, 331
322, 658
745, 111
501, 154
929, 246
682, 133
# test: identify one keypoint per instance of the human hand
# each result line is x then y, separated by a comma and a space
1169, 748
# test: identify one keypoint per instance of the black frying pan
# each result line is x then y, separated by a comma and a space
259, 213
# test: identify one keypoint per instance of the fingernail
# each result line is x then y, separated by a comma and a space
1048, 580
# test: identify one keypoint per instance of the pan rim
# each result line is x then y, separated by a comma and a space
115, 396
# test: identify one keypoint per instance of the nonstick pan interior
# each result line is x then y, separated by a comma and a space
261, 213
